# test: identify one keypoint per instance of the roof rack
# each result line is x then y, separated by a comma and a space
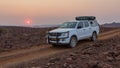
86, 18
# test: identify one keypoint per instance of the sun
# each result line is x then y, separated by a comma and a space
28, 21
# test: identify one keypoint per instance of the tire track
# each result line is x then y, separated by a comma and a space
110, 32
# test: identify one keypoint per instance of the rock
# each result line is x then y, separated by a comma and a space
110, 59
46, 66
53, 60
105, 53
118, 58
49, 64
72, 54
8, 46
112, 54
98, 44
35, 67
74, 58
76, 52
65, 65
107, 66
93, 64
70, 66
33, 62
69, 59
88, 52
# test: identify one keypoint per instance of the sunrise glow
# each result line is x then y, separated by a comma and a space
13, 12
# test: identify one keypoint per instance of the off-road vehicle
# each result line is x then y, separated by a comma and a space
69, 33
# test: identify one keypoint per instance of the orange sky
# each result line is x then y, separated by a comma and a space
14, 12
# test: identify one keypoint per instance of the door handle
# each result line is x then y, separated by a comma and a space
84, 29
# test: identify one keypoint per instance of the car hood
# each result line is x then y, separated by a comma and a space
59, 30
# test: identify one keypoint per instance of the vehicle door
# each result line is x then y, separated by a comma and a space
87, 29
80, 30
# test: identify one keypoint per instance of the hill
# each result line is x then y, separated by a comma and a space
111, 25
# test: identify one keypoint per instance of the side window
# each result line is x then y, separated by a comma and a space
80, 25
93, 24
96, 24
86, 24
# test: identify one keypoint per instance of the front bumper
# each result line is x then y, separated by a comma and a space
58, 40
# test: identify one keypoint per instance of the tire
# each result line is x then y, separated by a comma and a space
73, 42
94, 36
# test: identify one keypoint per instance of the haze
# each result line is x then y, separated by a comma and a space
41, 12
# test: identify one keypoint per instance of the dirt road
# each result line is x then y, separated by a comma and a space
24, 55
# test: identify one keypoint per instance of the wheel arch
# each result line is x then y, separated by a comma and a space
76, 40
95, 32
74, 36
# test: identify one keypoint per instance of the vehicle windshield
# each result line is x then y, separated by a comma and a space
68, 25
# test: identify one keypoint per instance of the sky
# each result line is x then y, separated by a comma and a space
44, 12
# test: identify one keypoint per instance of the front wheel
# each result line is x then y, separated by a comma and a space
94, 37
73, 42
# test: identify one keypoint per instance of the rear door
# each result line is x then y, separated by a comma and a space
87, 29
80, 30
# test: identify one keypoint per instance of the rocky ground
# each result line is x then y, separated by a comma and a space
12, 38
100, 54
104, 53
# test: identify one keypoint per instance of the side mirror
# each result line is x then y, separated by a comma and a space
79, 27
91, 22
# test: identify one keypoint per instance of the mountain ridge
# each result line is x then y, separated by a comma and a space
114, 24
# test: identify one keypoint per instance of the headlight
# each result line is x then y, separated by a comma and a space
65, 34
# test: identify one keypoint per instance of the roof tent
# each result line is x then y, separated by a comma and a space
86, 18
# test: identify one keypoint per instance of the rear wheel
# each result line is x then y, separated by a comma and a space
94, 36
73, 42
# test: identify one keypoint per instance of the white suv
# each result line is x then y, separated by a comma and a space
69, 33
